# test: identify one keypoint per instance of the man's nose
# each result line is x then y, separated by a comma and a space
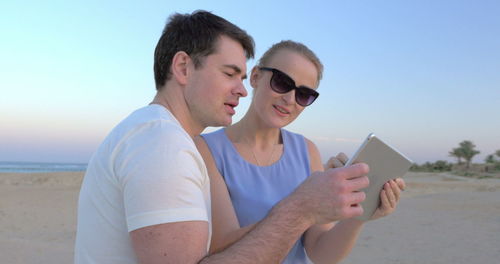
240, 89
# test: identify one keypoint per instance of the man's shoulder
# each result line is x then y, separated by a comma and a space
154, 121
151, 115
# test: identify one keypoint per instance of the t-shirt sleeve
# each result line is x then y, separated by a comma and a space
161, 177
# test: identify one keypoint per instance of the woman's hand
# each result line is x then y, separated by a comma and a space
389, 198
337, 161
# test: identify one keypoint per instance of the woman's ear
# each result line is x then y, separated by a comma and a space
180, 67
254, 76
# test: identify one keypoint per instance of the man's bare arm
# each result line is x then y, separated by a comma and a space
324, 197
179, 242
185, 242
225, 226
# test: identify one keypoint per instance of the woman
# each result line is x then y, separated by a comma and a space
255, 163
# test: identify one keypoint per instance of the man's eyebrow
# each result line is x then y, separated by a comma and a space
236, 69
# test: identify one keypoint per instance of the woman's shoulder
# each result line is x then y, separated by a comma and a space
309, 144
296, 136
291, 134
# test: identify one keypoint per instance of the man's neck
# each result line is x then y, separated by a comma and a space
173, 100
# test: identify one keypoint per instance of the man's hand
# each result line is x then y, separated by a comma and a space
334, 194
389, 196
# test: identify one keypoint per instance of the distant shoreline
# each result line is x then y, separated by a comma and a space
39, 167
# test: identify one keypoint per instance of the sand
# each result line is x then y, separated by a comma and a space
441, 219
38, 217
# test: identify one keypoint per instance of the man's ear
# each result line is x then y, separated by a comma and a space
254, 76
180, 64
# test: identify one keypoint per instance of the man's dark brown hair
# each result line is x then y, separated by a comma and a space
197, 35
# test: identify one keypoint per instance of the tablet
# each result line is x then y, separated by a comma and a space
385, 163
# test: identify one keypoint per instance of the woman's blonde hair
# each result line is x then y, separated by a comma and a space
296, 47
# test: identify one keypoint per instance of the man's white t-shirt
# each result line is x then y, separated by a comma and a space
146, 172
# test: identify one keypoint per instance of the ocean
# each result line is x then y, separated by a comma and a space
40, 167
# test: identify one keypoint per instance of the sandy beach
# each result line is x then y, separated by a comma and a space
441, 219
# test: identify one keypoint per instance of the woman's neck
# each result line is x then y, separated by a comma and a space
253, 131
255, 141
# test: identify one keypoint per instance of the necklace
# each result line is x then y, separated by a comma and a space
255, 156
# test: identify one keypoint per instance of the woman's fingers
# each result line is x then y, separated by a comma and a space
342, 157
334, 162
395, 189
390, 194
385, 204
337, 161
389, 198
401, 183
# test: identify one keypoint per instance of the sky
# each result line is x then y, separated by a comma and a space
422, 75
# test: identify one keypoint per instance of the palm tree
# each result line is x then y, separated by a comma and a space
457, 153
468, 151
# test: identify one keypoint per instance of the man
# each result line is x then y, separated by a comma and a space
146, 198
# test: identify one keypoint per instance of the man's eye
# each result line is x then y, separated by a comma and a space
229, 74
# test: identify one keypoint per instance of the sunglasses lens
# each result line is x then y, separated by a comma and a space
305, 96
281, 83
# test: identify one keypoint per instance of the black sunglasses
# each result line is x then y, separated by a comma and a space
282, 83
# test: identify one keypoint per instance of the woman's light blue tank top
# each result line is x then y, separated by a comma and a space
254, 190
